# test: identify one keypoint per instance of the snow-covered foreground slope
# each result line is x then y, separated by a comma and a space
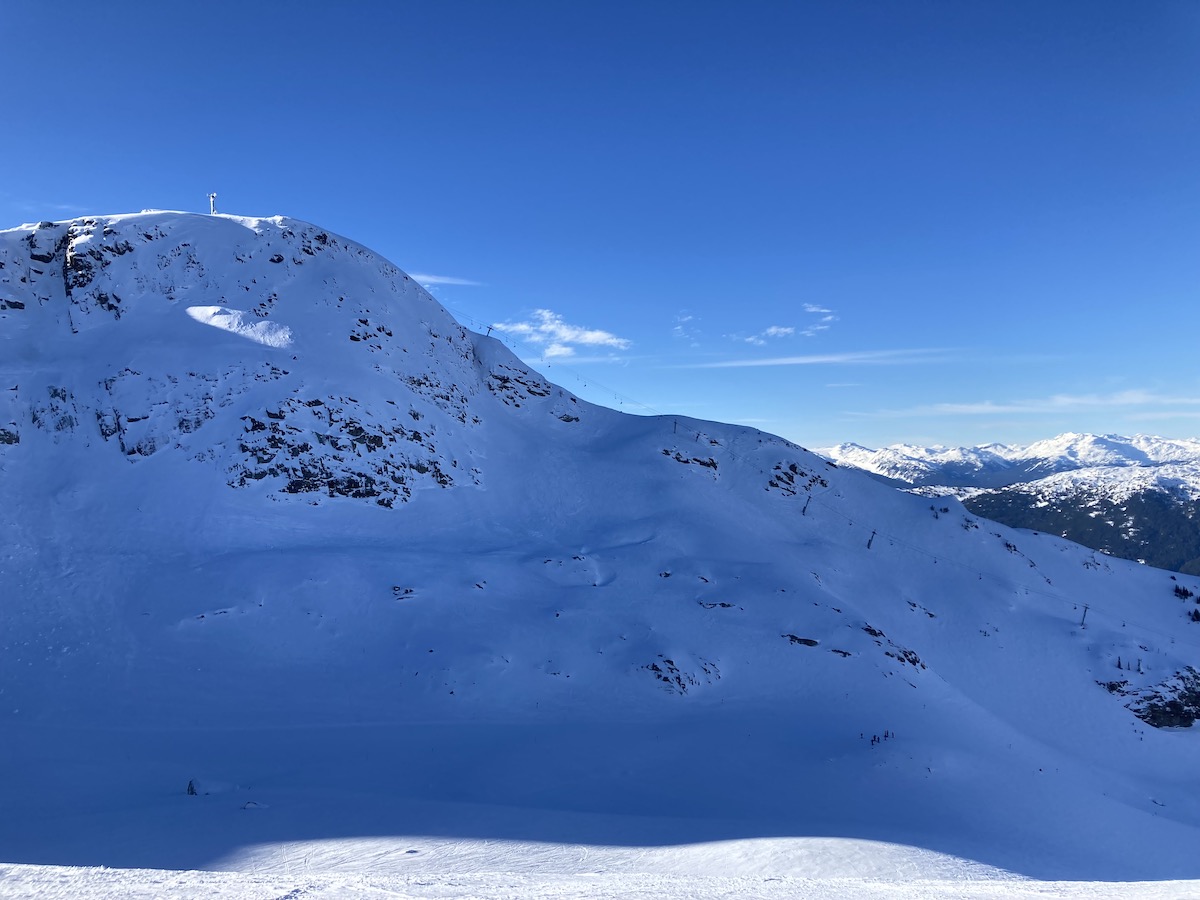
279, 529
78, 883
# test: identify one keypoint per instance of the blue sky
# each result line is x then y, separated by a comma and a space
930, 221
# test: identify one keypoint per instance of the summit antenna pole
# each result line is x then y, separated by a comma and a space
212, 204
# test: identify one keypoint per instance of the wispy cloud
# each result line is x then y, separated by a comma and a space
825, 319
611, 359
686, 328
422, 278
774, 331
1161, 414
557, 338
44, 210
817, 327
861, 357
1056, 403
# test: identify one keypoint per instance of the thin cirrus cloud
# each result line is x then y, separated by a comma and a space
41, 208
860, 357
1057, 403
422, 278
558, 339
825, 319
1159, 415
685, 328
774, 331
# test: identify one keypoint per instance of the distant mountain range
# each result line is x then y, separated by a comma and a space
1135, 497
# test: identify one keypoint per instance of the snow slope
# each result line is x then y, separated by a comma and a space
279, 528
142, 884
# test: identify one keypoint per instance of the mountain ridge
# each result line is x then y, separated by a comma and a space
1135, 497
999, 465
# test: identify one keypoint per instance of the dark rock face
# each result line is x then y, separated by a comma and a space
677, 679
336, 447
1174, 703
806, 642
788, 478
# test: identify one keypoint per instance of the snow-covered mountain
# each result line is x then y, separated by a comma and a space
1000, 465
1135, 497
282, 533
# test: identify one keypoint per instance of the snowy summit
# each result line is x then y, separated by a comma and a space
298, 568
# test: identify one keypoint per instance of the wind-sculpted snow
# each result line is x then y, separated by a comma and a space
382, 581
234, 320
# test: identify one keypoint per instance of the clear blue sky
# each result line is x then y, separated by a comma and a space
937, 221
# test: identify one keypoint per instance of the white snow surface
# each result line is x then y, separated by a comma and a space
82, 883
270, 334
412, 621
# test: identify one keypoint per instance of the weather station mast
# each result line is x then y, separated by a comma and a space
212, 204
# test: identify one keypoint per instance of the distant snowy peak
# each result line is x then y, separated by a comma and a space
1137, 497
1089, 450
908, 464
999, 465
285, 354
1085, 450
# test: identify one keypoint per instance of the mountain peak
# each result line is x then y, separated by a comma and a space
334, 372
